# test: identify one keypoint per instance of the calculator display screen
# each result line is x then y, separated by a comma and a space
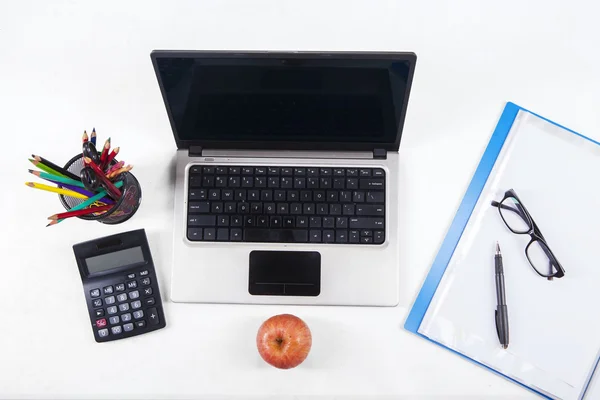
115, 259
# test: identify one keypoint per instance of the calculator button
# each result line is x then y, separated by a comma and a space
122, 297
112, 310
146, 281
109, 300
101, 323
144, 273
97, 303
126, 317
99, 312
103, 332
128, 327
95, 292
123, 307
120, 287
140, 324
114, 320
131, 285
108, 290
134, 295
138, 314
149, 301
153, 316
130, 276
116, 330
148, 291
136, 304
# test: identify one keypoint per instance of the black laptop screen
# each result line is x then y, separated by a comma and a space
284, 100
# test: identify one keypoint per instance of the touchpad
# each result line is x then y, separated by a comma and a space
285, 273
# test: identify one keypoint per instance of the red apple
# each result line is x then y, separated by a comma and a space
284, 341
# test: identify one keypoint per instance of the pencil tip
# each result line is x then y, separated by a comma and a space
30, 184
497, 248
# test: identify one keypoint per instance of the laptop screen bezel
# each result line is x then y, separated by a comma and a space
408, 57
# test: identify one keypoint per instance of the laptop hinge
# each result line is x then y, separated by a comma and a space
195, 151
380, 154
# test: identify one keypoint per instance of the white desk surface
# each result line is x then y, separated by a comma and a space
69, 66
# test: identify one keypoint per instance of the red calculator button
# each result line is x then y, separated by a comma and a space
100, 323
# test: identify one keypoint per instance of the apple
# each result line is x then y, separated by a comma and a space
284, 341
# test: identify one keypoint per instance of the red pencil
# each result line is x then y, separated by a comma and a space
115, 167
110, 187
112, 155
77, 213
104, 153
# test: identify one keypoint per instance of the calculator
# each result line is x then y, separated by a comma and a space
120, 285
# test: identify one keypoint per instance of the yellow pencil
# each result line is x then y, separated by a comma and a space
65, 192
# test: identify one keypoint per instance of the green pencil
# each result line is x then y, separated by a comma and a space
46, 168
87, 203
56, 178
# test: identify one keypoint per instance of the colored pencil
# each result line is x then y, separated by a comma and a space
53, 189
55, 167
115, 167
85, 137
45, 168
56, 178
93, 137
77, 213
119, 171
87, 203
111, 156
105, 200
104, 153
112, 190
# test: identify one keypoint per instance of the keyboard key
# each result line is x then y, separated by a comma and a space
101, 323
95, 292
260, 171
322, 209
198, 194
217, 207
120, 287
153, 316
351, 172
366, 223
358, 197
287, 171
260, 182
332, 196
287, 183
326, 171
313, 171
302, 222
296, 208
97, 302
339, 183
208, 181
131, 285
256, 208
315, 222
366, 232
300, 171
138, 314
319, 196
354, 237
372, 184
339, 172
116, 330
254, 195
315, 236
227, 194
194, 234
369, 210
243, 208
341, 236
325, 183
202, 220
378, 237
249, 220
345, 197
365, 172
266, 195
209, 170
312, 183
214, 194
276, 222
110, 300
299, 183
140, 324
220, 181
283, 208
247, 181
328, 236
209, 234
235, 235
352, 183
128, 327
366, 239
309, 208
222, 235
234, 170
147, 291
144, 272
134, 295
375, 197
114, 320
223, 220
122, 297
293, 195
270, 208
240, 195
328, 222
378, 172
126, 317
288, 222
335, 209
103, 332
279, 195
200, 207
111, 310
136, 304
348, 209
233, 181
247, 171
236, 221
262, 221
273, 182
341, 222
221, 170
99, 312
276, 235
195, 169
306, 195
108, 290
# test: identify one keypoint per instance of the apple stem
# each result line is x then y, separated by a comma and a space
279, 341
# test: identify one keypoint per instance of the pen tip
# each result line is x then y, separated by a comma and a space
497, 248
505, 346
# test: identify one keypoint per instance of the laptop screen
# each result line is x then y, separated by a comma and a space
285, 100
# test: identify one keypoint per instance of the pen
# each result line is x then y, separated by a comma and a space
501, 310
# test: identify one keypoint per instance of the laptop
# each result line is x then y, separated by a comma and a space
287, 173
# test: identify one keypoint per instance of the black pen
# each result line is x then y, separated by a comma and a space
501, 310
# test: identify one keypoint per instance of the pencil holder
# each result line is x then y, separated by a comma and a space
124, 207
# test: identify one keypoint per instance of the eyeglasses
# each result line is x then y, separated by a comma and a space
519, 221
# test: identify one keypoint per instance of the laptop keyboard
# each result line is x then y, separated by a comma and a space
286, 204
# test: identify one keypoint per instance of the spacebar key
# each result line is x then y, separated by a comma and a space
276, 235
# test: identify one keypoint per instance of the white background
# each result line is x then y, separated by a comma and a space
69, 66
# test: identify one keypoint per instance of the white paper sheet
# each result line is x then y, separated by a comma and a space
554, 325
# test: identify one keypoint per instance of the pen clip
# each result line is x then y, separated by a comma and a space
497, 325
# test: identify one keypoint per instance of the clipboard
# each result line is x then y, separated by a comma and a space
554, 324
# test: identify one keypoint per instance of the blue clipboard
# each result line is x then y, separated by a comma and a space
455, 232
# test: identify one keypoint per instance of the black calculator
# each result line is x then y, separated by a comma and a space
120, 285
